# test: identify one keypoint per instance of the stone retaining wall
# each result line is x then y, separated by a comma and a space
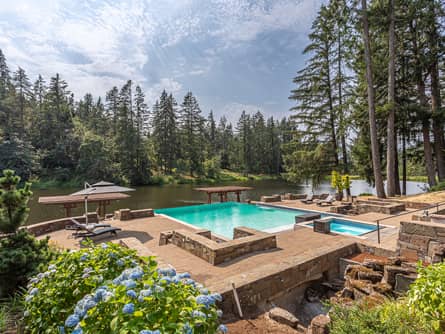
389, 208
58, 224
245, 241
422, 240
127, 214
254, 293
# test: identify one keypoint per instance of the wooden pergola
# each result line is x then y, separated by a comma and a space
70, 202
223, 191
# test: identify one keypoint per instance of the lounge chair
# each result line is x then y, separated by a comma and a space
111, 230
328, 200
309, 199
84, 227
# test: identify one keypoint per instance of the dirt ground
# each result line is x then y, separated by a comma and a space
433, 197
260, 325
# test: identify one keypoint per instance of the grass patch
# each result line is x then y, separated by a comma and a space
11, 311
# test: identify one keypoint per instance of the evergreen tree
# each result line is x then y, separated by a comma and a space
192, 133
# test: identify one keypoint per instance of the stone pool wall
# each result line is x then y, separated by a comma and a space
200, 243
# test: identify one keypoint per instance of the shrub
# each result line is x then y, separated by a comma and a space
109, 289
392, 317
427, 294
21, 256
438, 187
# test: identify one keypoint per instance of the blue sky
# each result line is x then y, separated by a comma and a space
232, 54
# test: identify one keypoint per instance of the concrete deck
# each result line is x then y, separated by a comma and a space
292, 246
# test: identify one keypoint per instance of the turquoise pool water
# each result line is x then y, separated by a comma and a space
350, 227
221, 218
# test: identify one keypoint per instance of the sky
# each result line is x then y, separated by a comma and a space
233, 55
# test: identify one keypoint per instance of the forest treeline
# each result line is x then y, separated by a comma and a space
370, 96
46, 133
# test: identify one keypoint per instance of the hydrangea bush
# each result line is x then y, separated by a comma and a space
109, 289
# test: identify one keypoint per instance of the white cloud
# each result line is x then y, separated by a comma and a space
154, 91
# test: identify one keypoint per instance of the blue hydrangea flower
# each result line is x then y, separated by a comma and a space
198, 314
85, 275
120, 263
78, 330
158, 289
131, 294
146, 292
51, 267
219, 313
104, 245
147, 331
61, 330
29, 298
167, 272
222, 329
88, 270
129, 283
26, 314
84, 257
176, 279
189, 281
165, 280
128, 308
34, 291
205, 300
204, 291
112, 255
72, 320
136, 273
186, 329
216, 297
34, 280
184, 275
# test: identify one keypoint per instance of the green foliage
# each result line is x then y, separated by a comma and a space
211, 168
13, 202
392, 317
21, 256
109, 289
427, 294
438, 187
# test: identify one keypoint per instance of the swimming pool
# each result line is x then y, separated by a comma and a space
349, 227
221, 218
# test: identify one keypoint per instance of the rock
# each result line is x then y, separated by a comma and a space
373, 276
362, 285
374, 264
395, 261
320, 324
383, 288
283, 317
389, 274
353, 270
403, 282
347, 293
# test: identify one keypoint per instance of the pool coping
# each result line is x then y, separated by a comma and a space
288, 227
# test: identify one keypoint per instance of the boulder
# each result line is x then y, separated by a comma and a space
403, 282
390, 272
320, 324
383, 288
283, 317
373, 276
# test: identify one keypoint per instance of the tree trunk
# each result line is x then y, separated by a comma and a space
425, 116
428, 153
371, 107
396, 165
390, 155
438, 121
331, 112
403, 164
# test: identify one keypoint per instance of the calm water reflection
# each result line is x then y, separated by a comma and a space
183, 194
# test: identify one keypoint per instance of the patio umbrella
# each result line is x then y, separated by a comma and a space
101, 187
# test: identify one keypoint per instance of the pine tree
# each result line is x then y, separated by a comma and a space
165, 131
22, 87
192, 133
245, 142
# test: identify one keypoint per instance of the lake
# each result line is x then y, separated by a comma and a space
167, 196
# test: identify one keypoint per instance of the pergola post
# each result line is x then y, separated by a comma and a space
238, 199
209, 198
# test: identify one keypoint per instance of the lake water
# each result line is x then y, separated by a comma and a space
168, 196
